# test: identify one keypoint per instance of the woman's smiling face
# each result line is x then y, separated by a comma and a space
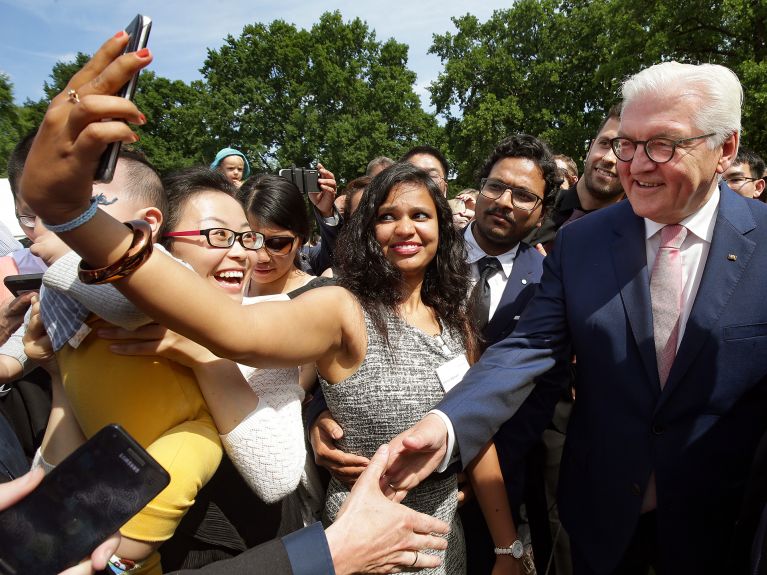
407, 228
226, 268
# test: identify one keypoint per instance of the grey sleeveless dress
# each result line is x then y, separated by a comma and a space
393, 389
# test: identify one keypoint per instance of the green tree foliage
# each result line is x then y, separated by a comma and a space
552, 68
9, 123
174, 135
332, 93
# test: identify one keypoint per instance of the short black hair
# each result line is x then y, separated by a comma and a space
613, 113
531, 148
427, 151
17, 159
756, 163
144, 183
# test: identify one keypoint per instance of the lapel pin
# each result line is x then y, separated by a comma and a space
732, 257
524, 282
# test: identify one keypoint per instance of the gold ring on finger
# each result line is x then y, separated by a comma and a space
73, 96
415, 559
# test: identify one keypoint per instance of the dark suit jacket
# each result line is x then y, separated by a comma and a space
316, 259
304, 552
698, 434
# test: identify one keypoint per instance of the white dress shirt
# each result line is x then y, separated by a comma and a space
497, 282
694, 251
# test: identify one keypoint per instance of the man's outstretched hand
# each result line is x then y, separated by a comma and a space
413, 455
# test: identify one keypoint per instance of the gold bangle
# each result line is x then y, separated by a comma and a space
138, 252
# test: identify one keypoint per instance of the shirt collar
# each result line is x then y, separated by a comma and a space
700, 223
476, 253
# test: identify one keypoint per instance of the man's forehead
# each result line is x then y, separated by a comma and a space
609, 129
667, 115
740, 168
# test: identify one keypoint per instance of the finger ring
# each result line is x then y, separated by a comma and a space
415, 559
73, 96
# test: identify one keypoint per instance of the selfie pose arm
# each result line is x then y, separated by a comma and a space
58, 186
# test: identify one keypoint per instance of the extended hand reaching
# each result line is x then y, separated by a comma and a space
414, 454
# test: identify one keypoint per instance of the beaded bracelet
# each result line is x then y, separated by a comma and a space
138, 252
95, 202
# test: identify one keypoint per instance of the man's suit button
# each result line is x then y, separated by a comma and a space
635, 489
658, 428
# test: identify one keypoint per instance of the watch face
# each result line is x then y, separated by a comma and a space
517, 549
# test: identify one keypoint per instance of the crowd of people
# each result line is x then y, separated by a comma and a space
554, 372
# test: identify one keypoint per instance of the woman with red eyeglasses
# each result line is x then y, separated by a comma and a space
260, 422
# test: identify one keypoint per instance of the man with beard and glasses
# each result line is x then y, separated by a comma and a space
597, 188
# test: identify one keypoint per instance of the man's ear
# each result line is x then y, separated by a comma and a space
729, 152
759, 185
153, 217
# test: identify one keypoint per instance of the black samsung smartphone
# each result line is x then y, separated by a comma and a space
20, 284
305, 179
85, 499
138, 30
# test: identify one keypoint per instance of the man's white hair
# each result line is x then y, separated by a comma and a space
718, 88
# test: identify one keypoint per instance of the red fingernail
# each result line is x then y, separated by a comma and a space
142, 119
143, 53
120, 34
135, 138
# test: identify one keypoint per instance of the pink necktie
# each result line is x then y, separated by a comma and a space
666, 296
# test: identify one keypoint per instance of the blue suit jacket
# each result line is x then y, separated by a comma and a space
698, 434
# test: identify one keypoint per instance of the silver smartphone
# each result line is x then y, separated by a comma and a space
138, 30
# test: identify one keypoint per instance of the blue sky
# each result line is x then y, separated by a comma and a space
35, 34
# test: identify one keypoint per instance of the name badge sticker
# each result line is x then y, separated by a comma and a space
452, 372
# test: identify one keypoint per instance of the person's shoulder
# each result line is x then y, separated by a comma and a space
603, 220
529, 253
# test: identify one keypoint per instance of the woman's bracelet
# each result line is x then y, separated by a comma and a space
138, 252
96, 201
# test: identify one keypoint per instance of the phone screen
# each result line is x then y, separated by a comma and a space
85, 499
138, 30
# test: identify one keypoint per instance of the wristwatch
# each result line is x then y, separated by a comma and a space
516, 550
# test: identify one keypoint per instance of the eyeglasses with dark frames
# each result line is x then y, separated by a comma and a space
224, 238
737, 182
520, 198
660, 150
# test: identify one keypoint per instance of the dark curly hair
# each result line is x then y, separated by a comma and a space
377, 284
531, 148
